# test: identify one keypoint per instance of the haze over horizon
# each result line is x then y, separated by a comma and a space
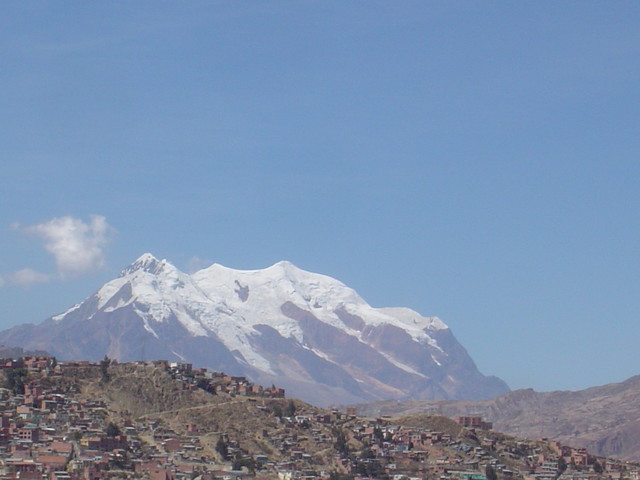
475, 162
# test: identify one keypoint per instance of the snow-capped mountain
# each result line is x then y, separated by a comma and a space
304, 331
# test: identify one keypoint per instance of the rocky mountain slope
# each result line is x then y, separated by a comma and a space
306, 332
604, 419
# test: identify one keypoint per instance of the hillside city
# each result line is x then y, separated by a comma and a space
170, 421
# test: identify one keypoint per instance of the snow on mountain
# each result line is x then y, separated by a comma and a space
305, 331
258, 295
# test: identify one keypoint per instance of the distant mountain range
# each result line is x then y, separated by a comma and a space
603, 419
303, 331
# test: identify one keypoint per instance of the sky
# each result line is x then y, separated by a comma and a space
476, 161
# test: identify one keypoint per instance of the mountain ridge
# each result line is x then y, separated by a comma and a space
307, 331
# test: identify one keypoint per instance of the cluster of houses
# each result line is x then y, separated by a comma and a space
218, 382
380, 449
50, 431
419, 453
474, 422
578, 463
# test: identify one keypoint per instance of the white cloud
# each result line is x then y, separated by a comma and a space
27, 277
77, 247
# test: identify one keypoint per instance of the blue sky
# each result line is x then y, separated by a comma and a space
477, 161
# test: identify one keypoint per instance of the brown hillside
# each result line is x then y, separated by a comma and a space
604, 419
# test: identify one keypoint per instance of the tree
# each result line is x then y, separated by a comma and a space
203, 384
290, 411
597, 467
378, 435
15, 380
122, 461
341, 444
562, 465
490, 473
369, 468
112, 430
238, 463
334, 475
367, 453
104, 368
222, 448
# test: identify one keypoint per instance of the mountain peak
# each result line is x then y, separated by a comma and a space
310, 332
284, 265
145, 262
146, 257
